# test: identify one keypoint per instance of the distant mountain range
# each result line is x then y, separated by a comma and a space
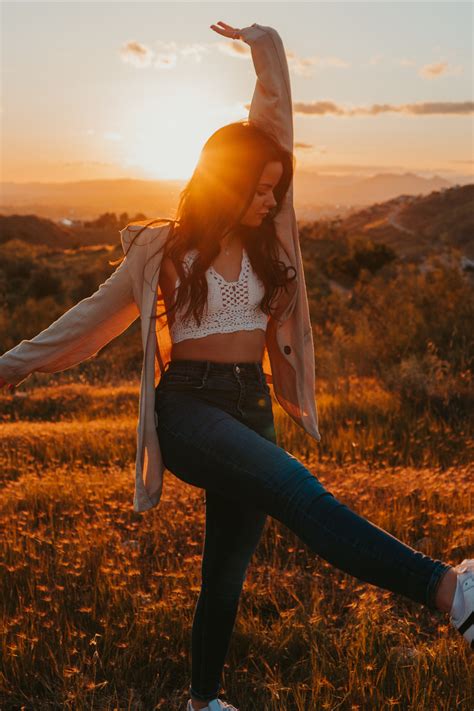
415, 226
315, 195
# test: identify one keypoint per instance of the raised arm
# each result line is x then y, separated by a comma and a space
78, 334
271, 106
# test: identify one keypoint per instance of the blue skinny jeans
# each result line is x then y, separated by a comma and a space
216, 432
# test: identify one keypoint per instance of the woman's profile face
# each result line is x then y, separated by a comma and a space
263, 199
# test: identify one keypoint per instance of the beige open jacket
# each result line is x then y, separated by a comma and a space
132, 291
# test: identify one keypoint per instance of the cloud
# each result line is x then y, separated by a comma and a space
166, 56
321, 149
168, 53
233, 49
438, 69
300, 65
195, 51
303, 65
165, 60
323, 108
136, 53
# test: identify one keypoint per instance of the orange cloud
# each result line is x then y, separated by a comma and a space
322, 108
300, 65
437, 69
165, 57
136, 53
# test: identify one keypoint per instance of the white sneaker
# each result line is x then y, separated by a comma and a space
465, 622
214, 705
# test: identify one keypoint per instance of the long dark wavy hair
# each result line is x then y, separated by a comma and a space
212, 204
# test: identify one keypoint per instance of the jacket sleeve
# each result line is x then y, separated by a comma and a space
78, 334
271, 106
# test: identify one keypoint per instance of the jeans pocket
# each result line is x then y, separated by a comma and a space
173, 378
179, 380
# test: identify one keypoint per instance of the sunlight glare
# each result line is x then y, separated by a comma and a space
170, 134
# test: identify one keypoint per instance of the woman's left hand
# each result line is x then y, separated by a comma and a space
226, 30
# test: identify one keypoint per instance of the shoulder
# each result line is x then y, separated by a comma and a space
154, 224
144, 231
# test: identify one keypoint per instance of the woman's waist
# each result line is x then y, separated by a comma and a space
201, 365
232, 347
211, 377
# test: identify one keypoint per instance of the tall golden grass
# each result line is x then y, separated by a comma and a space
98, 600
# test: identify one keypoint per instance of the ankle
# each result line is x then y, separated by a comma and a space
446, 591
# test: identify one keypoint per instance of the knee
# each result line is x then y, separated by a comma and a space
225, 581
322, 505
299, 491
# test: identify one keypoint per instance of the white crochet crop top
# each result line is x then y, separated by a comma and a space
231, 305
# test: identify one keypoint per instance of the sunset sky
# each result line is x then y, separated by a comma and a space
102, 90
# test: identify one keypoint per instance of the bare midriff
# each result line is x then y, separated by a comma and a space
238, 346
235, 347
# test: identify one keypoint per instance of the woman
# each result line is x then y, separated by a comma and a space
224, 273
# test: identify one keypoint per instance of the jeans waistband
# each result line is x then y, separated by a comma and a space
208, 367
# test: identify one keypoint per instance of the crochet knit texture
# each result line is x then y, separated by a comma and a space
231, 305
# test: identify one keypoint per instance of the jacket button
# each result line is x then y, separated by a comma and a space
287, 349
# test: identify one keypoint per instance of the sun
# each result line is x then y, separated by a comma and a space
170, 132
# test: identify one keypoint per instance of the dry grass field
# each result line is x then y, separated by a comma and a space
97, 600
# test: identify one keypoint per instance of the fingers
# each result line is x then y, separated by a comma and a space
225, 27
226, 30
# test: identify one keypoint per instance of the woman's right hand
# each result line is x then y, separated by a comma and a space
226, 30
4, 382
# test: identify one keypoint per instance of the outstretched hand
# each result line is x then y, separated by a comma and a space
226, 30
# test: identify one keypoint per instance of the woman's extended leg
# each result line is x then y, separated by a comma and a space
233, 530
213, 450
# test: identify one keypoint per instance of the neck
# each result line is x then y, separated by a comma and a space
232, 239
